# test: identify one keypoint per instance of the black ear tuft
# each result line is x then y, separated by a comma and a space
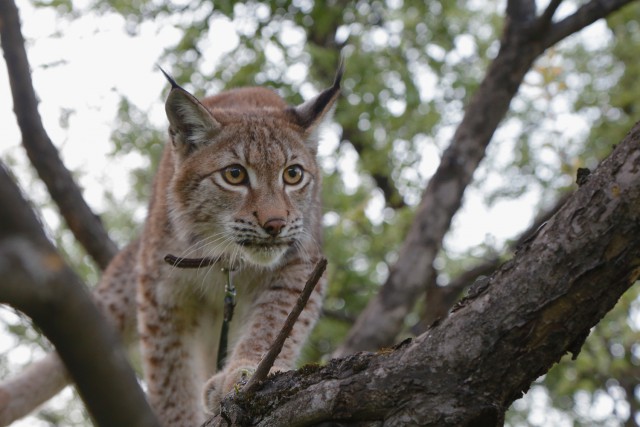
339, 72
311, 113
173, 83
191, 124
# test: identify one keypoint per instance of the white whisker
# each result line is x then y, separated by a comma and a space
216, 250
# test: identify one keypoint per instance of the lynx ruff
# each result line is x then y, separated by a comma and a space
238, 181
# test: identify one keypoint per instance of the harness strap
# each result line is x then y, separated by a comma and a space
229, 305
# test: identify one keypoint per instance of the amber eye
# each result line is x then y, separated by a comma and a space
235, 175
292, 175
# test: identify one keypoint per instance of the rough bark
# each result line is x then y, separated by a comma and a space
84, 224
440, 299
469, 368
37, 282
525, 37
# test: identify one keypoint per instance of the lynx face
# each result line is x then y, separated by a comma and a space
246, 191
245, 180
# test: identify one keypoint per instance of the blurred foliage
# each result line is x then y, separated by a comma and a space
410, 68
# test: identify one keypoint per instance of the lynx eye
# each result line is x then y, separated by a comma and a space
293, 174
235, 175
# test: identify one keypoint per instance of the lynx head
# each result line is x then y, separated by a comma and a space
245, 182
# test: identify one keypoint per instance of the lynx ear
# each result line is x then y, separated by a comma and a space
313, 112
191, 125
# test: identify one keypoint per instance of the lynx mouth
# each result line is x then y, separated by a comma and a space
264, 253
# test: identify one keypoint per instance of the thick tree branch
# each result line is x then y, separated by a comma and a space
383, 318
469, 368
84, 224
36, 281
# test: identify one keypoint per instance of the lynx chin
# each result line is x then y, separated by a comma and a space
238, 180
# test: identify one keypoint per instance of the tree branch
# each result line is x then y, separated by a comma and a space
586, 15
548, 13
469, 368
324, 37
37, 282
84, 224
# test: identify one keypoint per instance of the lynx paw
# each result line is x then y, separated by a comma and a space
224, 382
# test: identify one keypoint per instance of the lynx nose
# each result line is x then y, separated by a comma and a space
273, 226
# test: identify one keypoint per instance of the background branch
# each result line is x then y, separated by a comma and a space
382, 180
443, 197
84, 224
586, 15
521, 11
440, 299
383, 318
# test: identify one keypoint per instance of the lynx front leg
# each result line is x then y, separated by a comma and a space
170, 369
268, 313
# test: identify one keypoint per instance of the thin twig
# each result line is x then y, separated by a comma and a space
267, 361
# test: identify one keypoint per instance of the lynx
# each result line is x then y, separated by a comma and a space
238, 182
